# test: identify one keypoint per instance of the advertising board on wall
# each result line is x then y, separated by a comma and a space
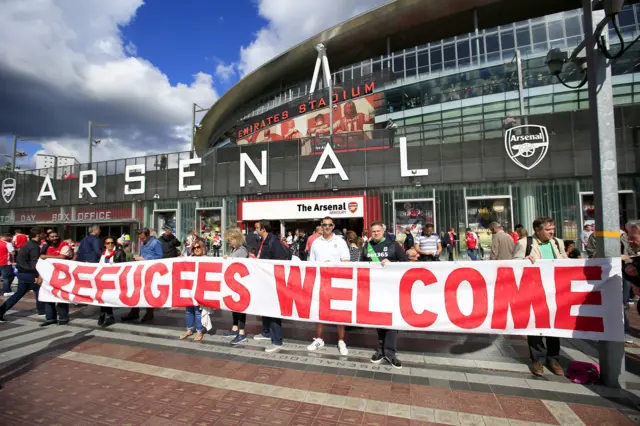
307, 208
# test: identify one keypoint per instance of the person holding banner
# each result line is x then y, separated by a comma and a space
236, 240
194, 316
543, 245
150, 249
270, 248
55, 313
329, 248
28, 277
380, 249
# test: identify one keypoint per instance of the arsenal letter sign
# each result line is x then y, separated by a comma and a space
564, 298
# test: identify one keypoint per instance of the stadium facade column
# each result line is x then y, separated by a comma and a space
605, 175
528, 214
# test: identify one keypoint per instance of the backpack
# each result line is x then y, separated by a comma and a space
527, 252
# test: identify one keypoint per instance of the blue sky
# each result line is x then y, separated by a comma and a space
136, 65
198, 35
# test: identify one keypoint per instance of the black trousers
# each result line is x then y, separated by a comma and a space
540, 352
239, 319
135, 312
107, 310
387, 342
56, 311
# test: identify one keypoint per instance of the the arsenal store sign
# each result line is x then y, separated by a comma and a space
303, 208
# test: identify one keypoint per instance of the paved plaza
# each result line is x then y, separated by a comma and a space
142, 374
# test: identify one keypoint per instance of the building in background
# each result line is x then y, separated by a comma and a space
65, 167
452, 92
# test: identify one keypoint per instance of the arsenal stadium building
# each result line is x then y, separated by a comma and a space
416, 112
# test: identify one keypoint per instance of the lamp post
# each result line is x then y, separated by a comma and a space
91, 127
17, 154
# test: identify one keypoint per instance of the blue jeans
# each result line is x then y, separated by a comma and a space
472, 254
56, 311
7, 278
626, 285
272, 327
26, 282
194, 318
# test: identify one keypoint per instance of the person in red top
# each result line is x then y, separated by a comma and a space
55, 313
514, 235
472, 244
6, 264
312, 238
19, 239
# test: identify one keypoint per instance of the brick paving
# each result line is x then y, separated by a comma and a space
141, 374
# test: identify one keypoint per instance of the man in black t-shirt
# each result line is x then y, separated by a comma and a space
383, 250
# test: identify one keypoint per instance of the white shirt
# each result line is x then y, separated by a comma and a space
334, 249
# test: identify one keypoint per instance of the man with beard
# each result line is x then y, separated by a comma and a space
53, 248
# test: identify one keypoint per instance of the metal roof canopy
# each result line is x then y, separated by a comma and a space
407, 23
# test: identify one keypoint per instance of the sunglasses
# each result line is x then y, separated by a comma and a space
198, 248
109, 243
327, 225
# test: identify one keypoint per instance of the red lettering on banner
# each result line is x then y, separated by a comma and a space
103, 284
329, 293
480, 299
292, 291
58, 280
322, 103
80, 283
236, 286
312, 104
364, 316
285, 114
152, 270
137, 285
302, 108
203, 284
269, 120
369, 87
565, 298
178, 284
426, 318
520, 299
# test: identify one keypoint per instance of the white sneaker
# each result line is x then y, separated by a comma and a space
628, 339
316, 344
273, 348
261, 337
342, 347
9, 294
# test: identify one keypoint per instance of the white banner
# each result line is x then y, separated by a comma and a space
303, 208
564, 298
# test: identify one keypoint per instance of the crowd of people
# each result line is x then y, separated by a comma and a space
19, 254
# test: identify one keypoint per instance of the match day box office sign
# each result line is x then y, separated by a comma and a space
563, 298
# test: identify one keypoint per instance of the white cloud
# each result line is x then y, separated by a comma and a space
293, 21
224, 72
64, 62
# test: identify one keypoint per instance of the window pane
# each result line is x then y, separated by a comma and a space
572, 26
377, 66
625, 18
463, 49
436, 59
539, 33
423, 59
507, 40
411, 72
410, 60
555, 30
449, 53
398, 65
347, 75
366, 69
492, 43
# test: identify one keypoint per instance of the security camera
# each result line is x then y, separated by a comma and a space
555, 60
156, 196
612, 7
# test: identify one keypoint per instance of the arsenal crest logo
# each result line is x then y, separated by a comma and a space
527, 145
353, 207
8, 189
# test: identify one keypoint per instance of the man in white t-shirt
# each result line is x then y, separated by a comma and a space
329, 248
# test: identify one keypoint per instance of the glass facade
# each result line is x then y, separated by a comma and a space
533, 37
